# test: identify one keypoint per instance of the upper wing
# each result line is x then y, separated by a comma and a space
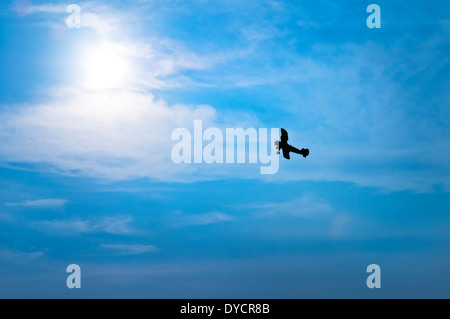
284, 136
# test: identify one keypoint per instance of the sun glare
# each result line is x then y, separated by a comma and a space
105, 67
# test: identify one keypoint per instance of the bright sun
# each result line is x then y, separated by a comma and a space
105, 67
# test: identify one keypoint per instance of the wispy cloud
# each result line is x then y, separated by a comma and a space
306, 206
118, 133
17, 255
364, 126
307, 217
129, 249
119, 225
26, 7
40, 203
122, 132
112, 135
159, 59
100, 19
202, 219
371, 114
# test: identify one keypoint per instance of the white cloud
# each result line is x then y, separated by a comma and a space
108, 134
115, 133
364, 125
351, 110
119, 225
115, 225
202, 219
24, 7
129, 249
160, 63
17, 255
305, 217
306, 24
156, 60
118, 132
44, 203
305, 206
102, 24
98, 18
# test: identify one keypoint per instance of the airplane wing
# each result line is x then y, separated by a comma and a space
286, 153
284, 136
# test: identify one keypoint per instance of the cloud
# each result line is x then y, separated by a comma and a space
17, 255
202, 219
305, 206
100, 24
374, 116
115, 225
25, 7
158, 62
307, 24
307, 217
157, 59
370, 113
126, 249
117, 132
112, 135
40, 203
100, 19
119, 225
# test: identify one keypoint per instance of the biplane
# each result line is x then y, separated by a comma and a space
283, 145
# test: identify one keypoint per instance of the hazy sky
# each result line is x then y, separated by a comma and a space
86, 175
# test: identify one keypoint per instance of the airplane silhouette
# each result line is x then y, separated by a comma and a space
286, 148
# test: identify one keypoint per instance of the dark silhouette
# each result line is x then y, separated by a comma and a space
286, 148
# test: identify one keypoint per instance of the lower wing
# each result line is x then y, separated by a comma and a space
286, 153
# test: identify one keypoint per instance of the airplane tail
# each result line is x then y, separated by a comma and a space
304, 151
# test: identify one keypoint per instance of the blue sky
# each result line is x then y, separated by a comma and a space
86, 175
